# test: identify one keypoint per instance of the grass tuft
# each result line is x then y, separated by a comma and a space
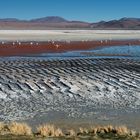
19, 129
84, 130
58, 132
2, 126
49, 130
122, 130
72, 133
119, 130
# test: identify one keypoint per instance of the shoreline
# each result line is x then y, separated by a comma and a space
33, 47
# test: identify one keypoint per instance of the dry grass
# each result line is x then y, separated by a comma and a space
102, 129
2, 126
49, 130
58, 132
72, 133
122, 130
19, 129
83, 130
119, 130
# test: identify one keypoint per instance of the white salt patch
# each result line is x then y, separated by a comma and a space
3, 95
62, 35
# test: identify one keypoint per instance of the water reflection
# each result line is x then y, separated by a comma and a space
107, 51
120, 50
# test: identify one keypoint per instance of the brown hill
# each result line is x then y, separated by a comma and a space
55, 22
124, 23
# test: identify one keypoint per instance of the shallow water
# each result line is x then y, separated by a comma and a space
129, 52
121, 50
100, 52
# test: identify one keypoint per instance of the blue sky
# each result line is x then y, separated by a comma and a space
86, 10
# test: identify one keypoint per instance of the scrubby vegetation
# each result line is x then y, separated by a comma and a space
15, 128
24, 131
49, 130
19, 129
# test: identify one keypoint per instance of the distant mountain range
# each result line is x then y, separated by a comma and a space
55, 22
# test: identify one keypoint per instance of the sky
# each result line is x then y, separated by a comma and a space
84, 10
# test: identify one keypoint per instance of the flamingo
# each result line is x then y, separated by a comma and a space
57, 46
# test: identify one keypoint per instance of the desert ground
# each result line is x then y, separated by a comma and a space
69, 91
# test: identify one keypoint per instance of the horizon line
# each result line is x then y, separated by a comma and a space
29, 19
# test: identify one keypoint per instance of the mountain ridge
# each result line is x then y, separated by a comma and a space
60, 22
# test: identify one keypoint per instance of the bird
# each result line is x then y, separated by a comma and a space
68, 41
57, 46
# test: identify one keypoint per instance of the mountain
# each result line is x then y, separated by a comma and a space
123, 23
9, 20
51, 19
56, 22
51, 22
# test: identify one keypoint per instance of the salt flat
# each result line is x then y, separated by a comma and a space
98, 89
70, 35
